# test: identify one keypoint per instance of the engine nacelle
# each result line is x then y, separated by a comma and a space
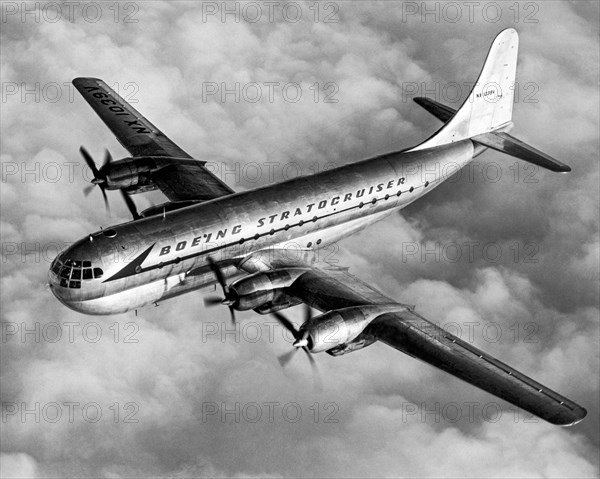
337, 328
128, 173
334, 328
258, 289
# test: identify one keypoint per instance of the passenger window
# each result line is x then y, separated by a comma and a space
76, 274
87, 273
98, 273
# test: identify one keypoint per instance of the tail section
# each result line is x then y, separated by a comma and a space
485, 116
489, 105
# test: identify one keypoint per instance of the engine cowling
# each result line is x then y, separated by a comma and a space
340, 327
334, 329
258, 289
128, 173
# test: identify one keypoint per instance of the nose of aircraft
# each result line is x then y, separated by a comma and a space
75, 272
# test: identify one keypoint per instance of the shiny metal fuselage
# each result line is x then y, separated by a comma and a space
159, 257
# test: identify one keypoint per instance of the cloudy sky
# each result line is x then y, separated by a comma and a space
504, 255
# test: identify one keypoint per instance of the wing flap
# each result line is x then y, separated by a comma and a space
189, 181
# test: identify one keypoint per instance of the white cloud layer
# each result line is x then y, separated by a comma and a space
168, 400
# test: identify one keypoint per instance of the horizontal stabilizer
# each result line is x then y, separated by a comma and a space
512, 146
441, 112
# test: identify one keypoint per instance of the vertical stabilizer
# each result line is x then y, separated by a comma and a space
490, 103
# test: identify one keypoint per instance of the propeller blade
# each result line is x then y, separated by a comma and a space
88, 159
287, 324
107, 159
227, 300
285, 358
307, 313
130, 204
219, 274
88, 189
105, 199
212, 301
318, 384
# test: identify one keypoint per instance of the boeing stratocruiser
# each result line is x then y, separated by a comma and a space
261, 245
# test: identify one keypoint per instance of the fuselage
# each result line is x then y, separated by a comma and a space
130, 265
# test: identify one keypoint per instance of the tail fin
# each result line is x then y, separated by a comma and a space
489, 105
485, 116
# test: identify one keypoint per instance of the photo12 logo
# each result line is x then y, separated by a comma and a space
268, 411
69, 411
269, 91
54, 91
462, 412
72, 12
269, 12
69, 332
471, 12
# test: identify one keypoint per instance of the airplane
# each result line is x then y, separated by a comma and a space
260, 245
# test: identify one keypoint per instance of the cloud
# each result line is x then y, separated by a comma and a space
176, 385
18, 465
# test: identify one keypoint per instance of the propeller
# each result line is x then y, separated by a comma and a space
99, 174
100, 180
130, 204
300, 342
227, 298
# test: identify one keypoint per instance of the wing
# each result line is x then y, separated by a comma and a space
176, 173
189, 180
137, 135
407, 331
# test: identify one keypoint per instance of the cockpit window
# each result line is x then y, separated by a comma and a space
56, 266
71, 272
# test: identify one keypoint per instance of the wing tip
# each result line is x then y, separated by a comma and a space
575, 415
84, 79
